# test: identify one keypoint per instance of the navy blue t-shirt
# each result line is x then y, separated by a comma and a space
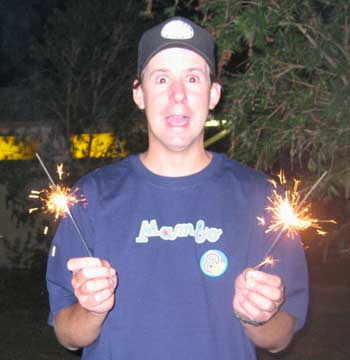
178, 245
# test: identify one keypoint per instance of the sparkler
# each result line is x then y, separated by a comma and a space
58, 199
268, 260
289, 214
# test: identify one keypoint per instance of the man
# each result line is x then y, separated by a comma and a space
175, 233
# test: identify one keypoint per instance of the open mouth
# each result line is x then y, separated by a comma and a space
177, 120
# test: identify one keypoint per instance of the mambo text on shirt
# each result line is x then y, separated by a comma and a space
199, 232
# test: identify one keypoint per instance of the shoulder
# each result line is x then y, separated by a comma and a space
243, 175
106, 174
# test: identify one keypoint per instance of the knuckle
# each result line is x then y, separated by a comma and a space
267, 305
279, 282
256, 313
84, 272
89, 285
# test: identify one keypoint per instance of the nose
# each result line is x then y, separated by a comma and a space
178, 91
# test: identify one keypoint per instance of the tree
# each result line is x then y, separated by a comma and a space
285, 66
84, 68
85, 64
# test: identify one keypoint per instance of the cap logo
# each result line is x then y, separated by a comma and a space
177, 30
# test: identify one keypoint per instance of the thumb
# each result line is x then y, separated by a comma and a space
76, 264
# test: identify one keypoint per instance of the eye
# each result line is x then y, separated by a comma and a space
161, 80
192, 79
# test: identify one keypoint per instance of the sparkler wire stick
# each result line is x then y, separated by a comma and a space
314, 186
67, 208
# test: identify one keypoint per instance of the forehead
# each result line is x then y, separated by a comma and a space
177, 59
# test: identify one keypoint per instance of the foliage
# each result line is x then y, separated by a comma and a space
80, 84
285, 69
284, 66
85, 69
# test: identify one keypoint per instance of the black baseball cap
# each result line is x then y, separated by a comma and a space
176, 32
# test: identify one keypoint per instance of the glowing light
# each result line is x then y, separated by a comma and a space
60, 171
289, 213
99, 145
261, 220
268, 260
95, 145
215, 123
12, 148
57, 199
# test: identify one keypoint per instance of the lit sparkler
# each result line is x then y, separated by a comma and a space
58, 200
268, 260
290, 214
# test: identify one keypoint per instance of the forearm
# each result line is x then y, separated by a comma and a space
275, 335
76, 327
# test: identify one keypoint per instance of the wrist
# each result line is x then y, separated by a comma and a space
246, 321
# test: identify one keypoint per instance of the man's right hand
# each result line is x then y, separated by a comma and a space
94, 282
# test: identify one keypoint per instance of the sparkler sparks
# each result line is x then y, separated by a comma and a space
287, 215
268, 260
60, 171
55, 200
58, 199
290, 214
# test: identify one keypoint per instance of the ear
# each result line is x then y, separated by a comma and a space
137, 93
215, 94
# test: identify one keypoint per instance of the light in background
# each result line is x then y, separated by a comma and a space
13, 149
102, 145
82, 146
97, 145
215, 123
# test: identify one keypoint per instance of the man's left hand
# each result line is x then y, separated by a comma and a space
258, 295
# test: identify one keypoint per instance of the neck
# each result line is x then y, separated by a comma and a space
176, 164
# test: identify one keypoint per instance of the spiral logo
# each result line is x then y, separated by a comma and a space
213, 263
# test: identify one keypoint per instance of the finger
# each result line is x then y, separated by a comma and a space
106, 263
103, 295
98, 300
97, 272
264, 278
95, 286
81, 277
237, 305
92, 293
241, 283
252, 312
273, 294
266, 291
76, 264
261, 302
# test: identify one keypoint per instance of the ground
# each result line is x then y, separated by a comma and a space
24, 334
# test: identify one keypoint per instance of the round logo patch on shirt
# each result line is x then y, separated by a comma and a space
213, 263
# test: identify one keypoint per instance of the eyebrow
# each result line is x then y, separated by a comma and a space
158, 71
166, 70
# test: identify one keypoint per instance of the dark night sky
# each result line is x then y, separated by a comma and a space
21, 21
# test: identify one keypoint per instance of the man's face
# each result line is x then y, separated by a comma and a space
176, 95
